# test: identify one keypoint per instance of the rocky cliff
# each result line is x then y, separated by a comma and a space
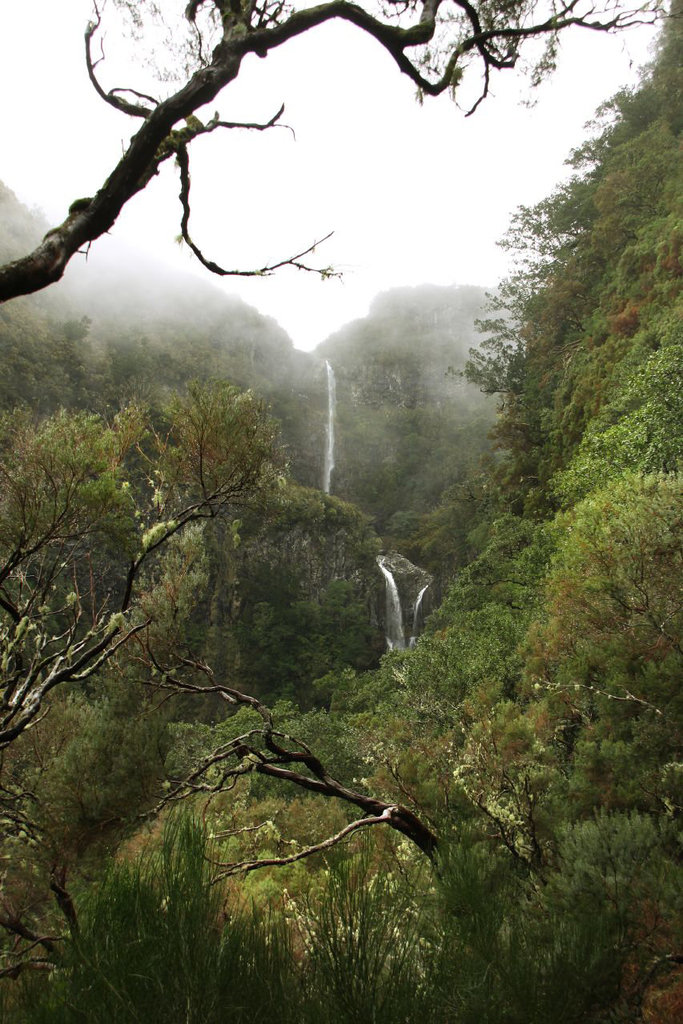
406, 423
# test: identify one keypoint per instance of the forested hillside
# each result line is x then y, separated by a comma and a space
220, 798
122, 330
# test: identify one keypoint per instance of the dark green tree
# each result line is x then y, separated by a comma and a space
86, 506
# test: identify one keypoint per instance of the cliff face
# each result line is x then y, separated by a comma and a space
315, 540
402, 352
296, 597
406, 424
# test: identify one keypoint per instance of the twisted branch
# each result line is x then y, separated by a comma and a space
244, 32
246, 866
267, 751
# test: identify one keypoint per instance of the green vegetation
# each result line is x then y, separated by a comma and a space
526, 754
155, 940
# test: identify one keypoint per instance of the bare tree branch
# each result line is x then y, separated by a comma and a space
19, 959
264, 271
493, 35
13, 923
274, 122
245, 866
266, 751
111, 97
63, 897
70, 663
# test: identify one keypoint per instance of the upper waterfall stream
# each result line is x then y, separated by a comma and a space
329, 447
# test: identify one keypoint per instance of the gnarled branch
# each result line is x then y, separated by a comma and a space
295, 261
111, 97
244, 867
266, 751
493, 36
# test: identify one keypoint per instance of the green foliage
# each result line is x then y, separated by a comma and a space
155, 943
614, 592
78, 524
611, 642
446, 538
63, 478
156, 940
484, 616
594, 297
101, 764
287, 642
362, 939
511, 953
536, 725
638, 430
619, 863
219, 442
300, 596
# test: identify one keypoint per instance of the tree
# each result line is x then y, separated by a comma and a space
584, 355
610, 647
433, 42
86, 507
100, 546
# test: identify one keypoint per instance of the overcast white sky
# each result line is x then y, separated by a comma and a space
414, 194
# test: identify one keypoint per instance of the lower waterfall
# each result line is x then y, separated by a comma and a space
416, 616
395, 635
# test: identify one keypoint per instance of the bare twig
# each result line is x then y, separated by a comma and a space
245, 866
268, 269
112, 97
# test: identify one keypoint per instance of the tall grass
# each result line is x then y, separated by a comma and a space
154, 945
363, 936
476, 946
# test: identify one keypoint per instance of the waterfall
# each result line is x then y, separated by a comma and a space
329, 448
394, 617
416, 616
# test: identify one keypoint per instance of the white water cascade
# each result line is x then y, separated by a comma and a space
416, 615
331, 409
395, 636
